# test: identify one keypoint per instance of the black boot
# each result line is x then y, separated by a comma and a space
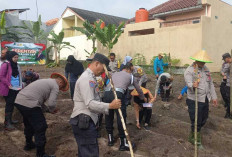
110, 140
124, 146
12, 121
8, 124
29, 145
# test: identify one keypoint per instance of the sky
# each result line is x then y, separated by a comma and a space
50, 9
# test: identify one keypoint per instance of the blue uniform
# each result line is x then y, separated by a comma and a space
158, 66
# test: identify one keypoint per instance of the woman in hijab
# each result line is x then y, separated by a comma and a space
10, 85
126, 60
75, 69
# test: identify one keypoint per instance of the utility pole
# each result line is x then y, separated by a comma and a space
37, 10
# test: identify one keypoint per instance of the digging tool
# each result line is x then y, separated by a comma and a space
196, 113
120, 112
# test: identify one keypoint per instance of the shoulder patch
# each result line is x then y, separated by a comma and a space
92, 84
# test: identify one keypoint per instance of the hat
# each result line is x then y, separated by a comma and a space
161, 54
135, 93
226, 55
29, 73
56, 75
201, 56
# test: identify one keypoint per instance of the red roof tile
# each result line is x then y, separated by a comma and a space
52, 21
171, 5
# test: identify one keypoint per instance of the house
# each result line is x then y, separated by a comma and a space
181, 28
74, 17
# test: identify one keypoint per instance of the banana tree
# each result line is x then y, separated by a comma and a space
109, 35
34, 30
58, 45
89, 30
2, 25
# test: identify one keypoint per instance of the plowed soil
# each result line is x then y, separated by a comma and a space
168, 136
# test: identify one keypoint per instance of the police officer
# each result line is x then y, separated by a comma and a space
113, 65
206, 92
30, 102
225, 85
121, 82
164, 84
87, 105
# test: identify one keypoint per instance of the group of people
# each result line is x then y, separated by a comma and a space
93, 96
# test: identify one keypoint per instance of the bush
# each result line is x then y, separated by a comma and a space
139, 59
166, 59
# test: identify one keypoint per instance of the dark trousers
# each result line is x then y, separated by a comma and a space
10, 99
145, 112
34, 125
225, 92
72, 87
203, 112
109, 119
86, 140
164, 93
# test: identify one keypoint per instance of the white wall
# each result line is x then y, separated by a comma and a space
80, 42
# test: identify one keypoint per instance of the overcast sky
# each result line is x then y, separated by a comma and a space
50, 9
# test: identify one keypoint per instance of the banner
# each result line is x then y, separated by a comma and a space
29, 53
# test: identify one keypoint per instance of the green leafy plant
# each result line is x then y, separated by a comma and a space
166, 59
186, 65
58, 45
139, 59
109, 35
34, 30
90, 31
2, 25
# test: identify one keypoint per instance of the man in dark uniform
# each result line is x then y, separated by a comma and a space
225, 85
121, 82
87, 105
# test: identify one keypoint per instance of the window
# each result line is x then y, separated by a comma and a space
142, 32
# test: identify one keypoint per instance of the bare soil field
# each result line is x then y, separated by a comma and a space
168, 136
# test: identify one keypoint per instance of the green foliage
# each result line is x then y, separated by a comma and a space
139, 59
109, 35
186, 65
2, 24
35, 32
166, 59
89, 30
51, 65
58, 44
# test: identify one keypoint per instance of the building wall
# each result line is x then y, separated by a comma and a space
217, 32
213, 34
78, 40
181, 41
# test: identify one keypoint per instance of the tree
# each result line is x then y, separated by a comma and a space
2, 25
34, 30
109, 35
58, 45
89, 30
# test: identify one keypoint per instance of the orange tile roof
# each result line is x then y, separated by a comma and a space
52, 22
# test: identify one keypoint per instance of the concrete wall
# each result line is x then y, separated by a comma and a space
181, 41
217, 32
213, 33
